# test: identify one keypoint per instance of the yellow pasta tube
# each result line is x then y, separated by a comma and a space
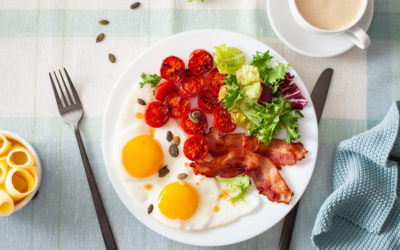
19, 157
5, 145
20, 182
6, 203
3, 169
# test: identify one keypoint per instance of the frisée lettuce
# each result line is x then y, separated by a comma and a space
270, 76
273, 117
234, 94
153, 80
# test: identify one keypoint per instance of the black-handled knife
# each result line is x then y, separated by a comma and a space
318, 97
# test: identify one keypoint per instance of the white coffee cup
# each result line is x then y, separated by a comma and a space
356, 34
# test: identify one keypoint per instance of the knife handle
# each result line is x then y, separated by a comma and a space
287, 231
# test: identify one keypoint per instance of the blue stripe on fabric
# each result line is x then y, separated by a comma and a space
128, 23
319, 188
379, 73
381, 6
380, 26
46, 215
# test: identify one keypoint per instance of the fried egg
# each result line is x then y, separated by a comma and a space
192, 204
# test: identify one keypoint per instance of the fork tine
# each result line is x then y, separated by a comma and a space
66, 89
56, 93
66, 102
76, 97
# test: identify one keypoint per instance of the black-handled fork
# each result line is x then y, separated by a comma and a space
71, 112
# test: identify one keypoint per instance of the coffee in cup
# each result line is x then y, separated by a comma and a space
327, 17
329, 14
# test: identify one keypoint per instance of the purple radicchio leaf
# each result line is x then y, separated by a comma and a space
292, 93
266, 95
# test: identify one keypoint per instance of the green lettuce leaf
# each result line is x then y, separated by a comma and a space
241, 183
247, 75
248, 79
228, 59
234, 93
261, 60
289, 120
153, 80
252, 91
272, 118
249, 112
273, 75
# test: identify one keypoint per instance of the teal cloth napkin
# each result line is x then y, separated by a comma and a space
363, 212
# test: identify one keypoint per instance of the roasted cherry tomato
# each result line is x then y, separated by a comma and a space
194, 128
196, 147
222, 120
177, 105
207, 101
191, 84
200, 62
164, 89
156, 114
214, 81
172, 69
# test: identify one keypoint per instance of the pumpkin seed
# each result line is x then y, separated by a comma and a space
141, 102
193, 119
169, 136
150, 209
104, 22
163, 172
196, 114
100, 37
111, 57
176, 140
182, 176
173, 150
135, 5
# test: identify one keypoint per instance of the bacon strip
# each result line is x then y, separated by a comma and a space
265, 174
278, 151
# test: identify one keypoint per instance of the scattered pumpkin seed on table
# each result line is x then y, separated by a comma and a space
135, 5
104, 22
100, 37
111, 57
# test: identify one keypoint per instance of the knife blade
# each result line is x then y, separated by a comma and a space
318, 97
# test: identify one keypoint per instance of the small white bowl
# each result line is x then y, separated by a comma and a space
28, 146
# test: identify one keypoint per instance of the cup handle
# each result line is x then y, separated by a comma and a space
358, 36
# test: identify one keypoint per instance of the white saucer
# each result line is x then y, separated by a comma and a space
304, 42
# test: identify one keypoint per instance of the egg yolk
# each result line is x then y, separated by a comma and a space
142, 156
177, 201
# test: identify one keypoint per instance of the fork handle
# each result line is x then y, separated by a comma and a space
98, 204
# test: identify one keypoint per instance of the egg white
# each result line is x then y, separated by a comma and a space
130, 126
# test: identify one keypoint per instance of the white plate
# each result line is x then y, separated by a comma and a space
268, 213
304, 42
